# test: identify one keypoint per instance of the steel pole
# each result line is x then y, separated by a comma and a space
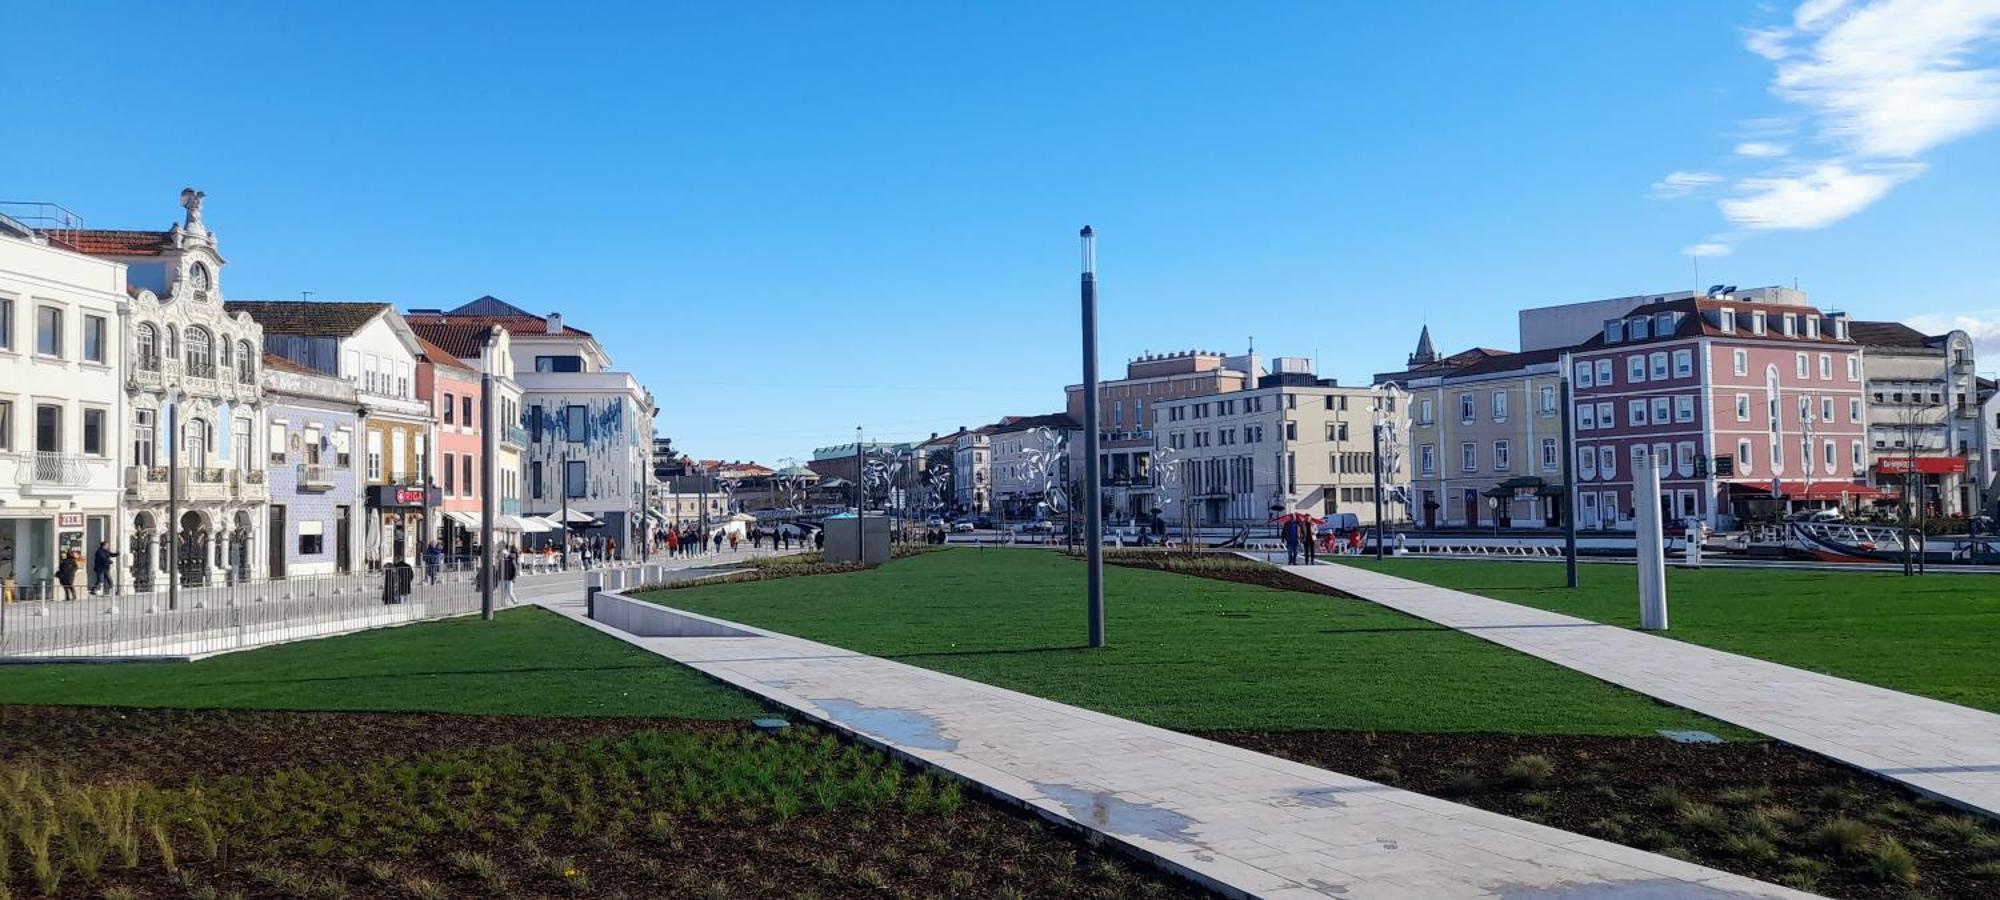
1381, 539
1569, 480
1093, 479
486, 505
173, 503
565, 511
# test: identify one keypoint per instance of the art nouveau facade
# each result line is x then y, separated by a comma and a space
194, 406
62, 396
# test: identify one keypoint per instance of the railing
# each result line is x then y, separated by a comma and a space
199, 369
515, 434
249, 484
44, 469
315, 476
199, 484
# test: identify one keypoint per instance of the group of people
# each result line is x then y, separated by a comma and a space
100, 570
1303, 539
687, 540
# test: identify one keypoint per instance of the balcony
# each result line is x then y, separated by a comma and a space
205, 485
249, 486
510, 506
315, 478
39, 469
147, 484
514, 434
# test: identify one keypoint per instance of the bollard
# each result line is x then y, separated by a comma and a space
1694, 531
1651, 543
596, 584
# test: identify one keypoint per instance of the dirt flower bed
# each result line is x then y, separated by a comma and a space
667, 811
1760, 809
1219, 565
796, 565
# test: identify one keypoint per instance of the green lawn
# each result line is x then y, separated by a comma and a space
1938, 635
1185, 653
525, 662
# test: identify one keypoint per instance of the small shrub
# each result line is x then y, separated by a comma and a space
1743, 796
1962, 829
1988, 870
420, 888
1538, 800
1843, 835
1888, 860
1384, 774
1750, 846
1609, 829
1666, 797
1531, 770
1703, 818
1461, 784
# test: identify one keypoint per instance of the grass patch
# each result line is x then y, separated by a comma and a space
1187, 653
1930, 636
525, 662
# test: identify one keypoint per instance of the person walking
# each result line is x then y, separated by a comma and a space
72, 560
733, 541
673, 543
610, 548
1291, 534
433, 562
100, 568
510, 568
718, 542
1309, 540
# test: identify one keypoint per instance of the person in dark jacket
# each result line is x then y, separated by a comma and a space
100, 568
66, 572
509, 569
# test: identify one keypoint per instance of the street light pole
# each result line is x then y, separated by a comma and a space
1569, 478
1375, 428
173, 499
1093, 480
487, 447
565, 510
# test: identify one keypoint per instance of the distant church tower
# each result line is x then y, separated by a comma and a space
1426, 354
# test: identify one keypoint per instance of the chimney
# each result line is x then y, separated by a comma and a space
555, 323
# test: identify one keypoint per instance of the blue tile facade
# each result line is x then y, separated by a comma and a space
320, 500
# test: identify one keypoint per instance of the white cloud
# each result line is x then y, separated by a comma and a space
1813, 199
1982, 324
1706, 250
1814, 13
1762, 149
1681, 184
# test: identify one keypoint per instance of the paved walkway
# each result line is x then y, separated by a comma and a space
1947, 751
1241, 822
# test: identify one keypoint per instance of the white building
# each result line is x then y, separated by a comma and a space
1030, 464
193, 366
1923, 414
62, 395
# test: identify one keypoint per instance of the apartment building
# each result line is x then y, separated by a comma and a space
311, 429
194, 404
1487, 442
1030, 465
1292, 443
370, 346
1758, 406
62, 395
1128, 410
1924, 423
469, 353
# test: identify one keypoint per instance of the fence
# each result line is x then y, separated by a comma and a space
216, 618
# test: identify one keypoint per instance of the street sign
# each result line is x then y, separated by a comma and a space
1725, 466
1701, 467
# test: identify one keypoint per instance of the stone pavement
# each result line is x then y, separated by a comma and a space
1243, 823
1948, 751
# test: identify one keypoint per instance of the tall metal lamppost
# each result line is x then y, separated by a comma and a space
1093, 480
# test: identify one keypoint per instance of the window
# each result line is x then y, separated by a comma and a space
450, 409
1635, 368
1663, 410
1586, 462
6, 323
1826, 409
1427, 461
573, 423
1583, 371
1549, 454
1683, 363
312, 538
1729, 321
1635, 412
1684, 408
7, 425
1291, 431
1586, 417
1614, 331
93, 339
1468, 457
1804, 367
558, 363
1605, 418
374, 456
93, 432
1637, 329
1742, 407
535, 427
48, 331
142, 433
200, 353
1604, 373
1757, 322
149, 347
1743, 457
246, 366
1465, 409
1825, 367
309, 443
1684, 459
535, 480
1789, 325
1853, 368
1499, 406
1659, 361
465, 411
48, 428
576, 473
450, 482
1607, 462
274, 441
1741, 362
1855, 447
1503, 457
1812, 327
465, 475
1854, 409
1548, 398
1828, 457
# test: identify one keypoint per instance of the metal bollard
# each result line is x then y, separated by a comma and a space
596, 584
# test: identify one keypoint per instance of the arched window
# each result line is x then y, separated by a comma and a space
149, 347
172, 348
200, 353
222, 354
245, 368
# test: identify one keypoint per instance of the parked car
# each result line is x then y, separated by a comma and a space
1042, 526
934, 522
982, 521
962, 526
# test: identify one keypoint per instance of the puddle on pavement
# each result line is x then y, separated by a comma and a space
1107, 812
908, 728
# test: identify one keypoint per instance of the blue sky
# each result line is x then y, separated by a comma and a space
790, 219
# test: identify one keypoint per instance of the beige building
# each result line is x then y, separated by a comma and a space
1295, 442
1486, 443
1128, 410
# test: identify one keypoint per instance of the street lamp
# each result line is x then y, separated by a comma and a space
1093, 479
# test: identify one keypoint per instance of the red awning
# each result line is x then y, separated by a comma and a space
1925, 465
1818, 490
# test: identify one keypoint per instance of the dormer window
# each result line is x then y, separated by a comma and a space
1663, 323
1728, 321
1812, 327
1791, 325
1614, 331
1757, 322
1637, 328
1840, 329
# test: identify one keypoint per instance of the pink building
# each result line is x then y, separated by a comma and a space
1759, 407
452, 386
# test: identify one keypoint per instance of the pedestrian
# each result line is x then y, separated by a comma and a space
732, 542
610, 548
1291, 534
718, 542
673, 543
1354, 542
433, 562
66, 572
100, 568
510, 568
1310, 540
819, 539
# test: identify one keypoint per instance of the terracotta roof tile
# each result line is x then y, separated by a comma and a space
439, 355
274, 361
309, 317
465, 340
106, 242
524, 325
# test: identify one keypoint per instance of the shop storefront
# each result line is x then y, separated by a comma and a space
395, 521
